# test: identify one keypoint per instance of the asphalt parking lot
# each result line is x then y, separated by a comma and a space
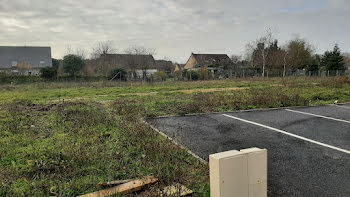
308, 148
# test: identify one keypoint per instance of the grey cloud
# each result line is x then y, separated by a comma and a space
174, 27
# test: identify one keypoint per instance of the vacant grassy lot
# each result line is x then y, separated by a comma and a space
63, 138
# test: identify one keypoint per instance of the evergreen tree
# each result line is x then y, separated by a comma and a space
72, 64
333, 60
56, 63
314, 65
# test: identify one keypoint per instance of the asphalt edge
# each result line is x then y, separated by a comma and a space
247, 110
176, 143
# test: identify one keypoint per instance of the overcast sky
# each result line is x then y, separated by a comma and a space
175, 28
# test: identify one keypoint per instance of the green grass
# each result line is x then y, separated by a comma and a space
43, 92
64, 138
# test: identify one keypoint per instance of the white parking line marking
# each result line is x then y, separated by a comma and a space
290, 134
326, 117
343, 106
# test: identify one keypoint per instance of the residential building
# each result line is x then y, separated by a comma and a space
164, 65
24, 60
137, 66
197, 61
178, 67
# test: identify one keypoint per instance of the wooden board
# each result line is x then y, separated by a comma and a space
125, 188
112, 183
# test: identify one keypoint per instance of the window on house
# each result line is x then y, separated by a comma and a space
42, 62
14, 63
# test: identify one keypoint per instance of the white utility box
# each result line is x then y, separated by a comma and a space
239, 173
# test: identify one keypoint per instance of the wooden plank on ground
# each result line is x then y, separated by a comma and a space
125, 188
112, 183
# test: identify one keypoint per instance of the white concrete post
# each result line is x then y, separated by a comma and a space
239, 173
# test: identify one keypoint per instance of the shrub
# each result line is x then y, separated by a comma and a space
56, 63
178, 74
72, 64
190, 74
193, 75
48, 72
204, 73
18, 79
160, 75
121, 74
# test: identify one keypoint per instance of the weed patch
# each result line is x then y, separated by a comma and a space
62, 139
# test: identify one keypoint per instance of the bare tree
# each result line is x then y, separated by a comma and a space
250, 53
81, 53
139, 50
103, 48
69, 50
285, 55
258, 51
265, 42
99, 56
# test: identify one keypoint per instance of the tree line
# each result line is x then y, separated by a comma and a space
264, 54
297, 54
